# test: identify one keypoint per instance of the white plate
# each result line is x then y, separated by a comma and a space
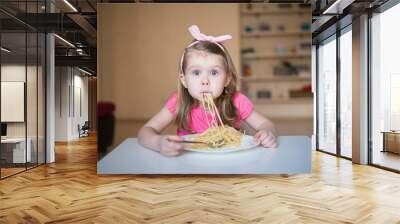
247, 142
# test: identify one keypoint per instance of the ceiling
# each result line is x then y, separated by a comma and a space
76, 22
329, 13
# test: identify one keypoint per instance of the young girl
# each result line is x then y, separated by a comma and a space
205, 68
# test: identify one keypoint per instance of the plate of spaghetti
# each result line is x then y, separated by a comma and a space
220, 141
218, 137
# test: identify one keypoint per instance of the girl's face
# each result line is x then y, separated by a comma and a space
204, 73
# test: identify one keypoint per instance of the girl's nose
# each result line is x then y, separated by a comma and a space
205, 81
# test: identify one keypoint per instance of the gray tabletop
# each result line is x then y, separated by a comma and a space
292, 156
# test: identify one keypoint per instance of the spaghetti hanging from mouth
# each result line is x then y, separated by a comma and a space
217, 135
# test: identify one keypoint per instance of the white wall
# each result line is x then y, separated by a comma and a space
12, 73
33, 126
61, 103
68, 82
12, 101
80, 83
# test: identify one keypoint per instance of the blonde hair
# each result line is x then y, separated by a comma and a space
186, 102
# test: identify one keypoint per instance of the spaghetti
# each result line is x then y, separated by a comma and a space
217, 135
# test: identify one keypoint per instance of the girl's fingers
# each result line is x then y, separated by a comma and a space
270, 137
269, 142
265, 142
265, 135
258, 140
262, 136
174, 138
257, 135
175, 146
171, 153
179, 147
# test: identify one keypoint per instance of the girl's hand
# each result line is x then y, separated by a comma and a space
266, 138
168, 147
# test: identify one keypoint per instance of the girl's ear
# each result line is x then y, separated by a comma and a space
228, 80
183, 80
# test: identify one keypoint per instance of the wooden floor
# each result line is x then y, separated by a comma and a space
10, 171
5, 172
70, 191
387, 159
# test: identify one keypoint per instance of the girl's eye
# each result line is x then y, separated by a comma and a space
196, 72
214, 72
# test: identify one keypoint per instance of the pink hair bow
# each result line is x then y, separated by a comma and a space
195, 31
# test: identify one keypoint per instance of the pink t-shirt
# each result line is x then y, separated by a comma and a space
198, 123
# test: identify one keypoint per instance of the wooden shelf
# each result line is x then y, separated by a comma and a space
251, 56
259, 34
280, 87
293, 110
290, 101
273, 79
275, 11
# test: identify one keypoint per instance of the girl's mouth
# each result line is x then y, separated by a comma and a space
204, 94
